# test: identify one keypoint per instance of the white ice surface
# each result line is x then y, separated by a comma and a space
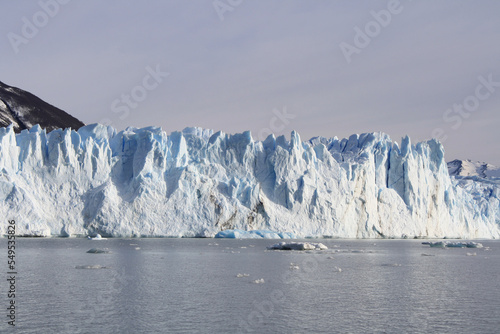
143, 182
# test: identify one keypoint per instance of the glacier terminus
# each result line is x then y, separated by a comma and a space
197, 183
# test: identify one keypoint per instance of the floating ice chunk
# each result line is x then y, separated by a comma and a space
437, 244
287, 235
471, 254
97, 237
458, 244
254, 234
98, 251
95, 266
236, 234
455, 244
242, 275
298, 246
391, 265
258, 281
337, 269
294, 266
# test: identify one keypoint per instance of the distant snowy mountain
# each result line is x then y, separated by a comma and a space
468, 168
143, 182
24, 110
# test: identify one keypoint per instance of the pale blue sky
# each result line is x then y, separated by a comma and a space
265, 57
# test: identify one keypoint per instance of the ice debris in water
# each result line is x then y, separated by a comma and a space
294, 266
298, 246
97, 237
98, 251
254, 234
96, 266
258, 281
437, 244
449, 244
242, 275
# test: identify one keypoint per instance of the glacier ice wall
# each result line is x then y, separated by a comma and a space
141, 182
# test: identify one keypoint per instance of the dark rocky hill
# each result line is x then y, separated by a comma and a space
23, 110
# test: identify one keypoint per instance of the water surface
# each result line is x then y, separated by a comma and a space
191, 286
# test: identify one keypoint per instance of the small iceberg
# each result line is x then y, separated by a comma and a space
254, 234
96, 266
259, 281
242, 275
437, 244
391, 265
473, 244
97, 237
298, 246
450, 244
455, 244
98, 251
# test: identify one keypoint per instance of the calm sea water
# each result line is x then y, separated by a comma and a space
191, 286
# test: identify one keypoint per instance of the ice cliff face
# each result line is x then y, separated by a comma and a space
141, 182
